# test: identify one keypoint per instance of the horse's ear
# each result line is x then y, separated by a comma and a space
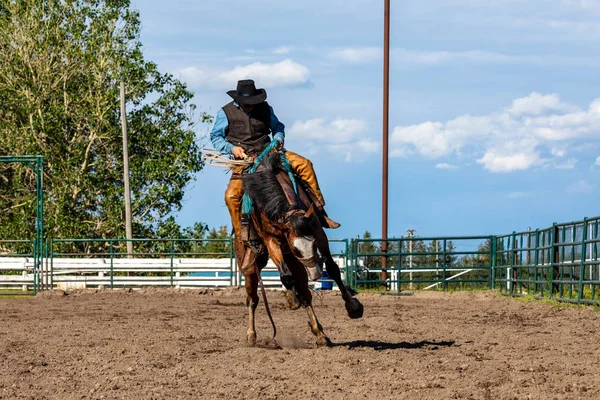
310, 211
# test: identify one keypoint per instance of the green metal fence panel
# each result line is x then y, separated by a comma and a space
560, 262
436, 263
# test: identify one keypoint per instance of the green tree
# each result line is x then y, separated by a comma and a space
369, 261
61, 63
370, 248
216, 247
451, 257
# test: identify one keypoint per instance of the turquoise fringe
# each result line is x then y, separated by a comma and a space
247, 204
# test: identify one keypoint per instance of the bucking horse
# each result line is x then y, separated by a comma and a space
285, 225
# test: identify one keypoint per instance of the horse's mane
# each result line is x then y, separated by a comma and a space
264, 189
268, 196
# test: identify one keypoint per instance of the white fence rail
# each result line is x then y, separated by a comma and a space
65, 273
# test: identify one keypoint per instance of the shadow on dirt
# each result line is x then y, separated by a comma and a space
377, 345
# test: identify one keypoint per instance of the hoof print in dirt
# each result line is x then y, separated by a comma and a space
272, 344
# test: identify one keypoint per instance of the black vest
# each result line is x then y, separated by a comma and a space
249, 133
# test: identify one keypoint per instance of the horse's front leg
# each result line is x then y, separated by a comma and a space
305, 297
281, 261
353, 307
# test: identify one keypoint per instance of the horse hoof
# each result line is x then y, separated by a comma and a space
354, 308
324, 341
251, 341
292, 300
272, 344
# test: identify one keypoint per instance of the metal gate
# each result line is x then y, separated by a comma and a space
36, 164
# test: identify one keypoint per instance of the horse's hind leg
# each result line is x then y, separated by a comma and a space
247, 262
316, 328
251, 303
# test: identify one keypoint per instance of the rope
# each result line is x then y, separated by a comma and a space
288, 169
216, 159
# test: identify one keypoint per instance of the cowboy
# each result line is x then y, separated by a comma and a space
242, 128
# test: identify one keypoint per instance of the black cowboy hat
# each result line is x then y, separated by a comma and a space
247, 93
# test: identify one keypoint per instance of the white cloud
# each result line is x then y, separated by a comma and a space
445, 166
358, 55
284, 73
535, 130
193, 76
536, 104
569, 164
581, 187
267, 75
283, 50
402, 57
597, 161
509, 158
348, 139
439, 57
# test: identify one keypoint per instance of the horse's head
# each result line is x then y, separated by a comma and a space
281, 218
299, 232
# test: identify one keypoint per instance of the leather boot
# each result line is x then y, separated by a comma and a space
325, 220
303, 167
233, 200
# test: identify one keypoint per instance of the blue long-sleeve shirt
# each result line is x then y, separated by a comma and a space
217, 134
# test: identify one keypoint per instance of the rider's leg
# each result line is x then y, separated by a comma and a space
304, 169
233, 200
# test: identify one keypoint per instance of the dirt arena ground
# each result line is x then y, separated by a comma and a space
168, 344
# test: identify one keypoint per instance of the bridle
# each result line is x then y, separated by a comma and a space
297, 211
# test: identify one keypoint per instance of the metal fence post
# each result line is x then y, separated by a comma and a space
112, 273
399, 267
353, 264
346, 260
583, 257
444, 262
513, 271
536, 261
554, 256
51, 256
493, 249
230, 260
171, 255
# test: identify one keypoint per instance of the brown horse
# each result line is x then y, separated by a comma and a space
292, 235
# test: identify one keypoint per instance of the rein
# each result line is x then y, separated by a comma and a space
264, 295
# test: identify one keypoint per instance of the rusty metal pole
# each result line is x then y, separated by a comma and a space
386, 108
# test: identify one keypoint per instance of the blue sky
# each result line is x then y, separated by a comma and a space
494, 108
